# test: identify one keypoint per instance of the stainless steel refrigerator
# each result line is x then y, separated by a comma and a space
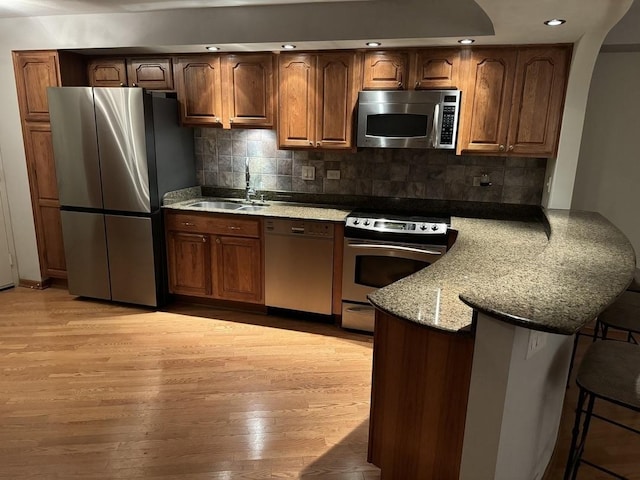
117, 152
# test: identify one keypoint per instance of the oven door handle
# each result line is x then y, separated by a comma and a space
394, 247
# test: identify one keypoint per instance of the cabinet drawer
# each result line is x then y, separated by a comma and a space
213, 224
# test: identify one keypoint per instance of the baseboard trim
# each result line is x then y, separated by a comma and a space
34, 284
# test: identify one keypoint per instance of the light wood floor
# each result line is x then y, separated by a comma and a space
91, 390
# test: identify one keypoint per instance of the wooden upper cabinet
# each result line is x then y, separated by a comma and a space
297, 100
249, 90
538, 99
150, 73
437, 68
199, 88
487, 100
337, 95
35, 71
385, 70
107, 72
513, 101
317, 97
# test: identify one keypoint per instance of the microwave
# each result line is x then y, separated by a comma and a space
408, 118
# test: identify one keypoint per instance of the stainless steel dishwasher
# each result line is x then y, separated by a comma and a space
299, 265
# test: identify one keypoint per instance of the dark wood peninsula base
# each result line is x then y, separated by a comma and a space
419, 394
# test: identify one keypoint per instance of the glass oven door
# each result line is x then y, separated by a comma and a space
369, 265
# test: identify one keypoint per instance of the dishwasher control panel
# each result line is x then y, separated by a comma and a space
299, 227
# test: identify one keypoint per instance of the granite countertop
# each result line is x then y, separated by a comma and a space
182, 200
512, 271
554, 275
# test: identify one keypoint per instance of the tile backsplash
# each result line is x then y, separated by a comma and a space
405, 173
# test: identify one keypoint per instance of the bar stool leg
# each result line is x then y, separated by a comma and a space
583, 438
571, 461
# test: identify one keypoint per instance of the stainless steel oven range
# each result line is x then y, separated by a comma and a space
382, 249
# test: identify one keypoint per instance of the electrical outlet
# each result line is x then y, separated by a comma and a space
308, 173
537, 341
333, 174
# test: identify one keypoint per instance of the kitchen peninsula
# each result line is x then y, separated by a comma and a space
471, 354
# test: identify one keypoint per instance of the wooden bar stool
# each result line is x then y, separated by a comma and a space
609, 372
623, 314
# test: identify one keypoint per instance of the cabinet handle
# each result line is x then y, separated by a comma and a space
318, 144
232, 227
204, 239
501, 148
217, 240
188, 224
134, 84
121, 84
510, 148
231, 120
399, 85
417, 84
216, 119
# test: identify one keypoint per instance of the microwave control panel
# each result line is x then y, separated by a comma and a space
448, 124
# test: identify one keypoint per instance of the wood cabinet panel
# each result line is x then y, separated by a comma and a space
238, 267
487, 102
107, 72
199, 89
40, 156
35, 71
214, 224
249, 90
53, 246
189, 258
297, 100
420, 386
437, 68
538, 99
150, 73
337, 98
385, 70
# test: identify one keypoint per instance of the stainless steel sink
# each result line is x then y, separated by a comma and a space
226, 205
216, 204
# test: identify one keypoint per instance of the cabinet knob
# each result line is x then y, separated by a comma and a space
417, 84
510, 148
318, 144
231, 120
310, 143
204, 239
216, 119
217, 240
399, 84
501, 148
121, 84
231, 227
188, 224
134, 84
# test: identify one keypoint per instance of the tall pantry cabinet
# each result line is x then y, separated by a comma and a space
34, 72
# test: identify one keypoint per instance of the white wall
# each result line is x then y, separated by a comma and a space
6, 239
608, 175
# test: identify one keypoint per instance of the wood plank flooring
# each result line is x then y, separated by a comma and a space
91, 390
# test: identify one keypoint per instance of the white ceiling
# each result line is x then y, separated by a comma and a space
346, 23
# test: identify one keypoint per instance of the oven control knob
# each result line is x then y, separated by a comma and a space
434, 227
367, 222
356, 221
423, 227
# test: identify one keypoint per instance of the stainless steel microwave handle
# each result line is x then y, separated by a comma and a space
435, 132
394, 247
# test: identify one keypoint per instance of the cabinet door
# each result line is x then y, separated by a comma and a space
111, 72
437, 68
237, 263
249, 90
385, 70
44, 199
189, 258
487, 100
150, 73
297, 100
538, 98
199, 85
337, 96
35, 71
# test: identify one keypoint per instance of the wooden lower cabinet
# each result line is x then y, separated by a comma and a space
215, 256
189, 263
238, 264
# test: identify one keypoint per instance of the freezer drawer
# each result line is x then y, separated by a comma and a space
132, 260
85, 248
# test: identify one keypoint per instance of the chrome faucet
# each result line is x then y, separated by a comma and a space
248, 191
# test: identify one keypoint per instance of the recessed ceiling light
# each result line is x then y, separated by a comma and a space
555, 22
373, 44
213, 49
466, 41
288, 46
